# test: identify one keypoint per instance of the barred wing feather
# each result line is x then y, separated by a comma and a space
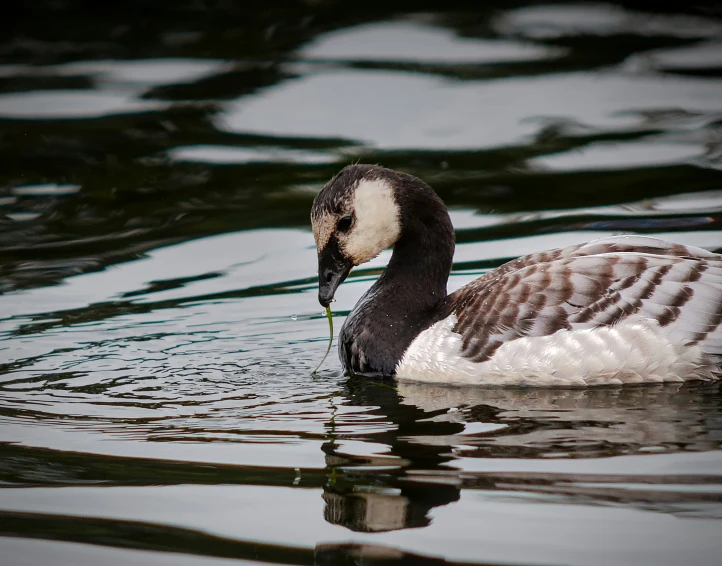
598, 284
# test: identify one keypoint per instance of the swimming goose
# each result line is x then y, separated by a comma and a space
623, 309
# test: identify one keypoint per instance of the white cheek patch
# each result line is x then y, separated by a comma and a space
323, 228
377, 224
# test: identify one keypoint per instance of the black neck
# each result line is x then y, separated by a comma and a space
420, 265
406, 298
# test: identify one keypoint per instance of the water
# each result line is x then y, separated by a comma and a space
158, 318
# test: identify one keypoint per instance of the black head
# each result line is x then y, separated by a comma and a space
354, 218
365, 209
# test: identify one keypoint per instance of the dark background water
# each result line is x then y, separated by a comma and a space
158, 320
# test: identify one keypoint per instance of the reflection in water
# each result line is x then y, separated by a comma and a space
380, 42
435, 427
371, 512
594, 422
373, 555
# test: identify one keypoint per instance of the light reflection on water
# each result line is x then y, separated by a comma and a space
159, 326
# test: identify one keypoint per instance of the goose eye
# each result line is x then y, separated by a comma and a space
344, 224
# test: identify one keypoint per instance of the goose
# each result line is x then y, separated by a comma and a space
617, 310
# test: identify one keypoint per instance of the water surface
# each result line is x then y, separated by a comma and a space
158, 315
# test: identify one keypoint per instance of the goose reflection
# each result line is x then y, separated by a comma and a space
371, 494
429, 427
523, 423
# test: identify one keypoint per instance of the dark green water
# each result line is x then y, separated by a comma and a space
158, 314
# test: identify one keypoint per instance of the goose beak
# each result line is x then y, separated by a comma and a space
333, 268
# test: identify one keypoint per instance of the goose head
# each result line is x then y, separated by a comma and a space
365, 209
354, 218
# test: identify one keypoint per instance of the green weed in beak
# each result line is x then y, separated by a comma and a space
330, 338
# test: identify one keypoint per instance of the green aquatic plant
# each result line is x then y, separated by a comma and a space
330, 338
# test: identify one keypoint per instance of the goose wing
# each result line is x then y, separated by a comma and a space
596, 284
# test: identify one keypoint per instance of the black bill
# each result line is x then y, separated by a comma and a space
333, 268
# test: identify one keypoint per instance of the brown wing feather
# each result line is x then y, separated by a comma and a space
595, 284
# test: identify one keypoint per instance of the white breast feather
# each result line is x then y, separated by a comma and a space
637, 350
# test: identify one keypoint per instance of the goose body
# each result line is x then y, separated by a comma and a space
624, 309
